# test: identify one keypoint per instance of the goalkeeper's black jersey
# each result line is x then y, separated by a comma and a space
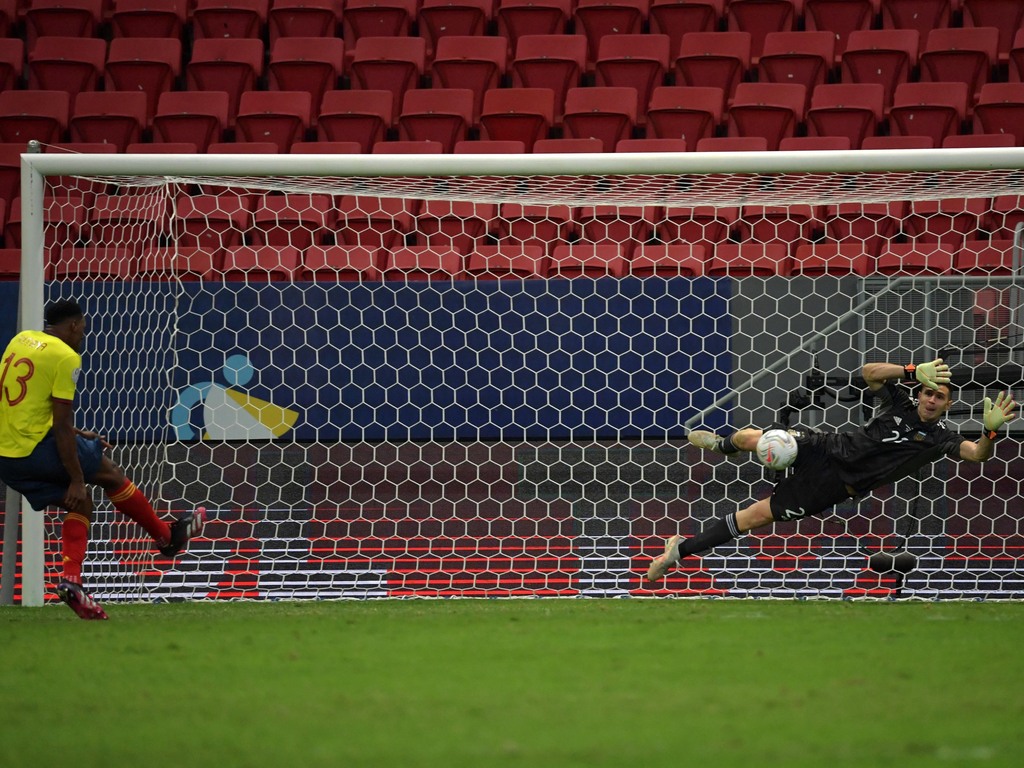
893, 445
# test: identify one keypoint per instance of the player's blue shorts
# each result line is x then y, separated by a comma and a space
41, 478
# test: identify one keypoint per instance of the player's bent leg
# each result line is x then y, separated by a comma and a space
756, 515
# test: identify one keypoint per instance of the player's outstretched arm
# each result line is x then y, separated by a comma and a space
995, 415
930, 374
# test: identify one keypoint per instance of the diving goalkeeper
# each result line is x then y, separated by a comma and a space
903, 436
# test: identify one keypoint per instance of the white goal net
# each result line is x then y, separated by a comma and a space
473, 375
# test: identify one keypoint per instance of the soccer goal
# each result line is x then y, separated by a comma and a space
458, 375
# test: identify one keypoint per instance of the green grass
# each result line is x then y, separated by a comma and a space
515, 683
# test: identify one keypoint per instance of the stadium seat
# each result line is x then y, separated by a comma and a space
1005, 15
633, 61
437, 18
661, 260
8, 16
377, 18
677, 17
198, 117
568, 145
296, 219
921, 16
303, 18
139, 220
701, 225
487, 147
898, 142
146, 64
458, 224
103, 262
733, 144
388, 64
830, 258
213, 222
10, 169
340, 263
772, 110
114, 117
62, 18
243, 148
623, 226
405, 147
713, 59
916, 258
852, 110
790, 225
1006, 213
960, 141
517, 18
652, 144
415, 263
592, 260
949, 220
12, 62
361, 116
262, 263
474, 62
539, 225
64, 218
867, 225
797, 57
936, 110
311, 64
520, 114
189, 265
749, 260
557, 62
685, 112
282, 117
1016, 58
326, 148
840, 17
815, 144
504, 261
221, 19
231, 65
1000, 109
79, 186
375, 222
596, 18
968, 54
32, 114
162, 148
148, 18
606, 113
10, 264
71, 64
985, 257
439, 114
883, 56
761, 17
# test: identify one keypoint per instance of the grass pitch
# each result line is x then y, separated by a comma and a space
533, 683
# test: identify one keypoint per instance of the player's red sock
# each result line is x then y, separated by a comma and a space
130, 501
74, 538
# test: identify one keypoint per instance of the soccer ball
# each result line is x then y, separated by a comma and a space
776, 449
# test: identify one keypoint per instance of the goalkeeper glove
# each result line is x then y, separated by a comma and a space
931, 374
998, 413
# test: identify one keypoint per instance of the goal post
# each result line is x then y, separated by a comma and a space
472, 375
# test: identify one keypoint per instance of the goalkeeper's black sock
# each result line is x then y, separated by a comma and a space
719, 532
725, 445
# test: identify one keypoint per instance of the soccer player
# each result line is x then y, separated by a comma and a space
47, 459
902, 437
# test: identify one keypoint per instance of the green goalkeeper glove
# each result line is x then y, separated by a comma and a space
932, 374
999, 412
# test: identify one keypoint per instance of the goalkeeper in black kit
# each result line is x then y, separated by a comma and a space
903, 436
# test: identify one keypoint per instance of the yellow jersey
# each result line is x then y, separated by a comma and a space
36, 369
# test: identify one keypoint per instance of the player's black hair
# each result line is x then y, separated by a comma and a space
59, 311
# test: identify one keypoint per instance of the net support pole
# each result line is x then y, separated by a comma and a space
30, 315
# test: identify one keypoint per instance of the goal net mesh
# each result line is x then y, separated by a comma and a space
481, 385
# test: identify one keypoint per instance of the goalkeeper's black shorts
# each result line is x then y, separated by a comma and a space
811, 487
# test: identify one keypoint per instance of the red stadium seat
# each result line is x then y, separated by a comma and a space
303, 18
949, 220
652, 144
474, 62
517, 18
405, 147
898, 142
10, 263
661, 260
12, 62
916, 258
243, 148
262, 263
1016, 58
389, 64
198, 117
503, 262
377, 18
188, 265
852, 110
606, 113
375, 222
840, 17
713, 59
817, 259
326, 148
978, 140
815, 144
568, 145
797, 57
1006, 213
104, 262
539, 225
985, 257
867, 225
487, 147
733, 144
438, 18
520, 114
71, 64
1005, 15
749, 260
1000, 109
772, 110
296, 219
701, 225
282, 117
458, 224
440, 114
677, 17
921, 16
884, 56
789, 225
40, 115
162, 148
361, 116
597, 18
148, 18
623, 226
213, 222
557, 62
761, 17
415, 263
62, 18
685, 112
232, 65
114, 117
592, 260
340, 263
633, 61
10, 169
967, 54
311, 64
146, 64
141, 220
218, 19
936, 110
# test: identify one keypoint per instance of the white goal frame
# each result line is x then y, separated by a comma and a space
36, 166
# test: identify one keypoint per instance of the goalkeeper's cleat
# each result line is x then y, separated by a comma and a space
183, 529
79, 601
708, 441
664, 563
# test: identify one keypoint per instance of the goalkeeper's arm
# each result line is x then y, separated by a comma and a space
931, 374
995, 415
